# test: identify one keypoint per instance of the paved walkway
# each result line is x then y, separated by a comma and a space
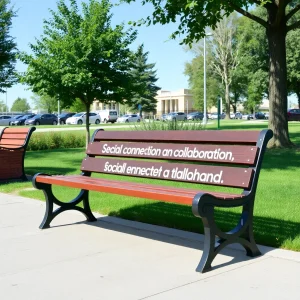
119, 259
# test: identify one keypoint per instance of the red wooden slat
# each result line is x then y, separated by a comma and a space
14, 136
190, 152
12, 142
16, 130
173, 195
182, 136
215, 175
3, 146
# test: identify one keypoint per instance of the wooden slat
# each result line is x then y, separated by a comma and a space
190, 152
3, 146
16, 135
182, 136
17, 130
168, 194
215, 175
19, 142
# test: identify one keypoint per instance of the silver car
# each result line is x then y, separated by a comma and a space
176, 116
5, 120
129, 118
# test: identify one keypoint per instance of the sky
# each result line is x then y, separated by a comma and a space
168, 55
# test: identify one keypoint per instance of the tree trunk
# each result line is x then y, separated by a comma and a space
278, 85
227, 100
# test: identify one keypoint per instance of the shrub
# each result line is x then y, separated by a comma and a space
167, 125
56, 140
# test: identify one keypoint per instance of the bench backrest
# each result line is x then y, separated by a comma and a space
225, 158
15, 138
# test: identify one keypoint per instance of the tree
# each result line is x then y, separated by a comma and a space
225, 53
8, 48
3, 107
254, 61
293, 64
20, 105
45, 103
144, 78
195, 72
195, 16
77, 106
81, 56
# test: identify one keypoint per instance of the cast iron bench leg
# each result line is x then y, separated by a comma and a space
83, 196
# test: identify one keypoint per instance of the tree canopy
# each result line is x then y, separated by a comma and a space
195, 16
20, 105
81, 55
8, 47
144, 79
45, 103
195, 72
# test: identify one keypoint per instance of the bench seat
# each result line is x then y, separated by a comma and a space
149, 191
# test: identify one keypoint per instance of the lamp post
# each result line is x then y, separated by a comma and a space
6, 100
204, 80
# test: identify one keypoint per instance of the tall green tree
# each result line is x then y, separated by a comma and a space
8, 47
77, 106
81, 55
45, 103
254, 61
144, 79
195, 72
195, 16
225, 53
20, 105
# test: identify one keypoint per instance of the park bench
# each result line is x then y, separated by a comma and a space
13, 145
219, 158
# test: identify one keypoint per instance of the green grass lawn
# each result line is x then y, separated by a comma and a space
277, 206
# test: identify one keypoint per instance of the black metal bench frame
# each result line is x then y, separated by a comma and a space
203, 203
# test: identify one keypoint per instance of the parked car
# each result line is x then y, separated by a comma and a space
80, 118
214, 116
248, 117
21, 121
129, 118
293, 114
178, 116
42, 119
238, 115
108, 115
5, 120
267, 116
232, 115
163, 117
64, 116
195, 116
259, 115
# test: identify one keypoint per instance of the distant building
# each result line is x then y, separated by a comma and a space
167, 101
97, 105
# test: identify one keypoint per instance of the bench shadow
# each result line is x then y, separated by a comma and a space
236, 255
267, 231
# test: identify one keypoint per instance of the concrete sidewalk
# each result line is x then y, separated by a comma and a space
119, 259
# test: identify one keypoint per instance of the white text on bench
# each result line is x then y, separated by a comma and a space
187, 152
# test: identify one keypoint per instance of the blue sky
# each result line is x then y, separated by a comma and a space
169, 56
